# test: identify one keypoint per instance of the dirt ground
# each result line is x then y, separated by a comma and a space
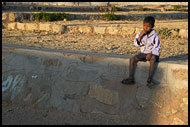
171, 47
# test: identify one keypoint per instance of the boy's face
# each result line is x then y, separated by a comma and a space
147, 27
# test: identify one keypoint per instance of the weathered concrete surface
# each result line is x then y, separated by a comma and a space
88, 83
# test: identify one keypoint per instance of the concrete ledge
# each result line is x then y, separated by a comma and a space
90, 83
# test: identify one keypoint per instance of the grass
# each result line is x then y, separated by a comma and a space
42, 16
111, 17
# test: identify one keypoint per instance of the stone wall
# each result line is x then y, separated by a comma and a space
87, 29
83, 83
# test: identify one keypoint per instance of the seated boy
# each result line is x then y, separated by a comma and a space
149, 44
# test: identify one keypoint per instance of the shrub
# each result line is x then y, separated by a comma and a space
111, 17
144, 9
184, 10
59, 16
177, 7
164, 31
114, 8
42, 16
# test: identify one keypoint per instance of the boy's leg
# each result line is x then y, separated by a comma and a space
130, 80
151, 69
131, 66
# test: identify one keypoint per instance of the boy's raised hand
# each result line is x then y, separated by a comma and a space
143, 32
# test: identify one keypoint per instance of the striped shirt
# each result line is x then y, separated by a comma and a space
151, 43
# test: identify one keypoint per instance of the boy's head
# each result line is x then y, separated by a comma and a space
148, 23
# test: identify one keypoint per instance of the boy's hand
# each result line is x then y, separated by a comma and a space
148, 57
143, 32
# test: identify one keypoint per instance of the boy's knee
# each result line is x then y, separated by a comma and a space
133, 60
153, 58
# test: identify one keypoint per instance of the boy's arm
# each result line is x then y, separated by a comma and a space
141, 34
137, 40
156, 47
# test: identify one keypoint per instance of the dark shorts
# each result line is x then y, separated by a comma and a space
142, 57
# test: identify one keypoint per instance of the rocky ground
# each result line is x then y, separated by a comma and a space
172, 47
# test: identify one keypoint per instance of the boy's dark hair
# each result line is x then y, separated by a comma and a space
149, 19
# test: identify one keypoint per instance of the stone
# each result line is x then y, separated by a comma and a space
31, 26
183, 33
104, 95
112, 30
127, 31
85, 29
99, 30
72, 29
44, 26
11, 17
20, 26
143, 95
51, 62
4, 16
11, 26
58, 28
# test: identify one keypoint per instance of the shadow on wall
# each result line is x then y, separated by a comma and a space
175, 58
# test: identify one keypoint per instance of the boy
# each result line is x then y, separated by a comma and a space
149, 44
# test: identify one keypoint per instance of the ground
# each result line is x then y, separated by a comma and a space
171, 47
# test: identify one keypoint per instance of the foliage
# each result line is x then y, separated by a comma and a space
177, 7
184, 10
164, 31
144, 9
111, 17
42, 16
114, 8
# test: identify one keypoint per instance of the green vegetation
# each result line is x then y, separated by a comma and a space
177, 7
114, 8
166, 32
111, 17
42, 16
144, 9
184, 10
